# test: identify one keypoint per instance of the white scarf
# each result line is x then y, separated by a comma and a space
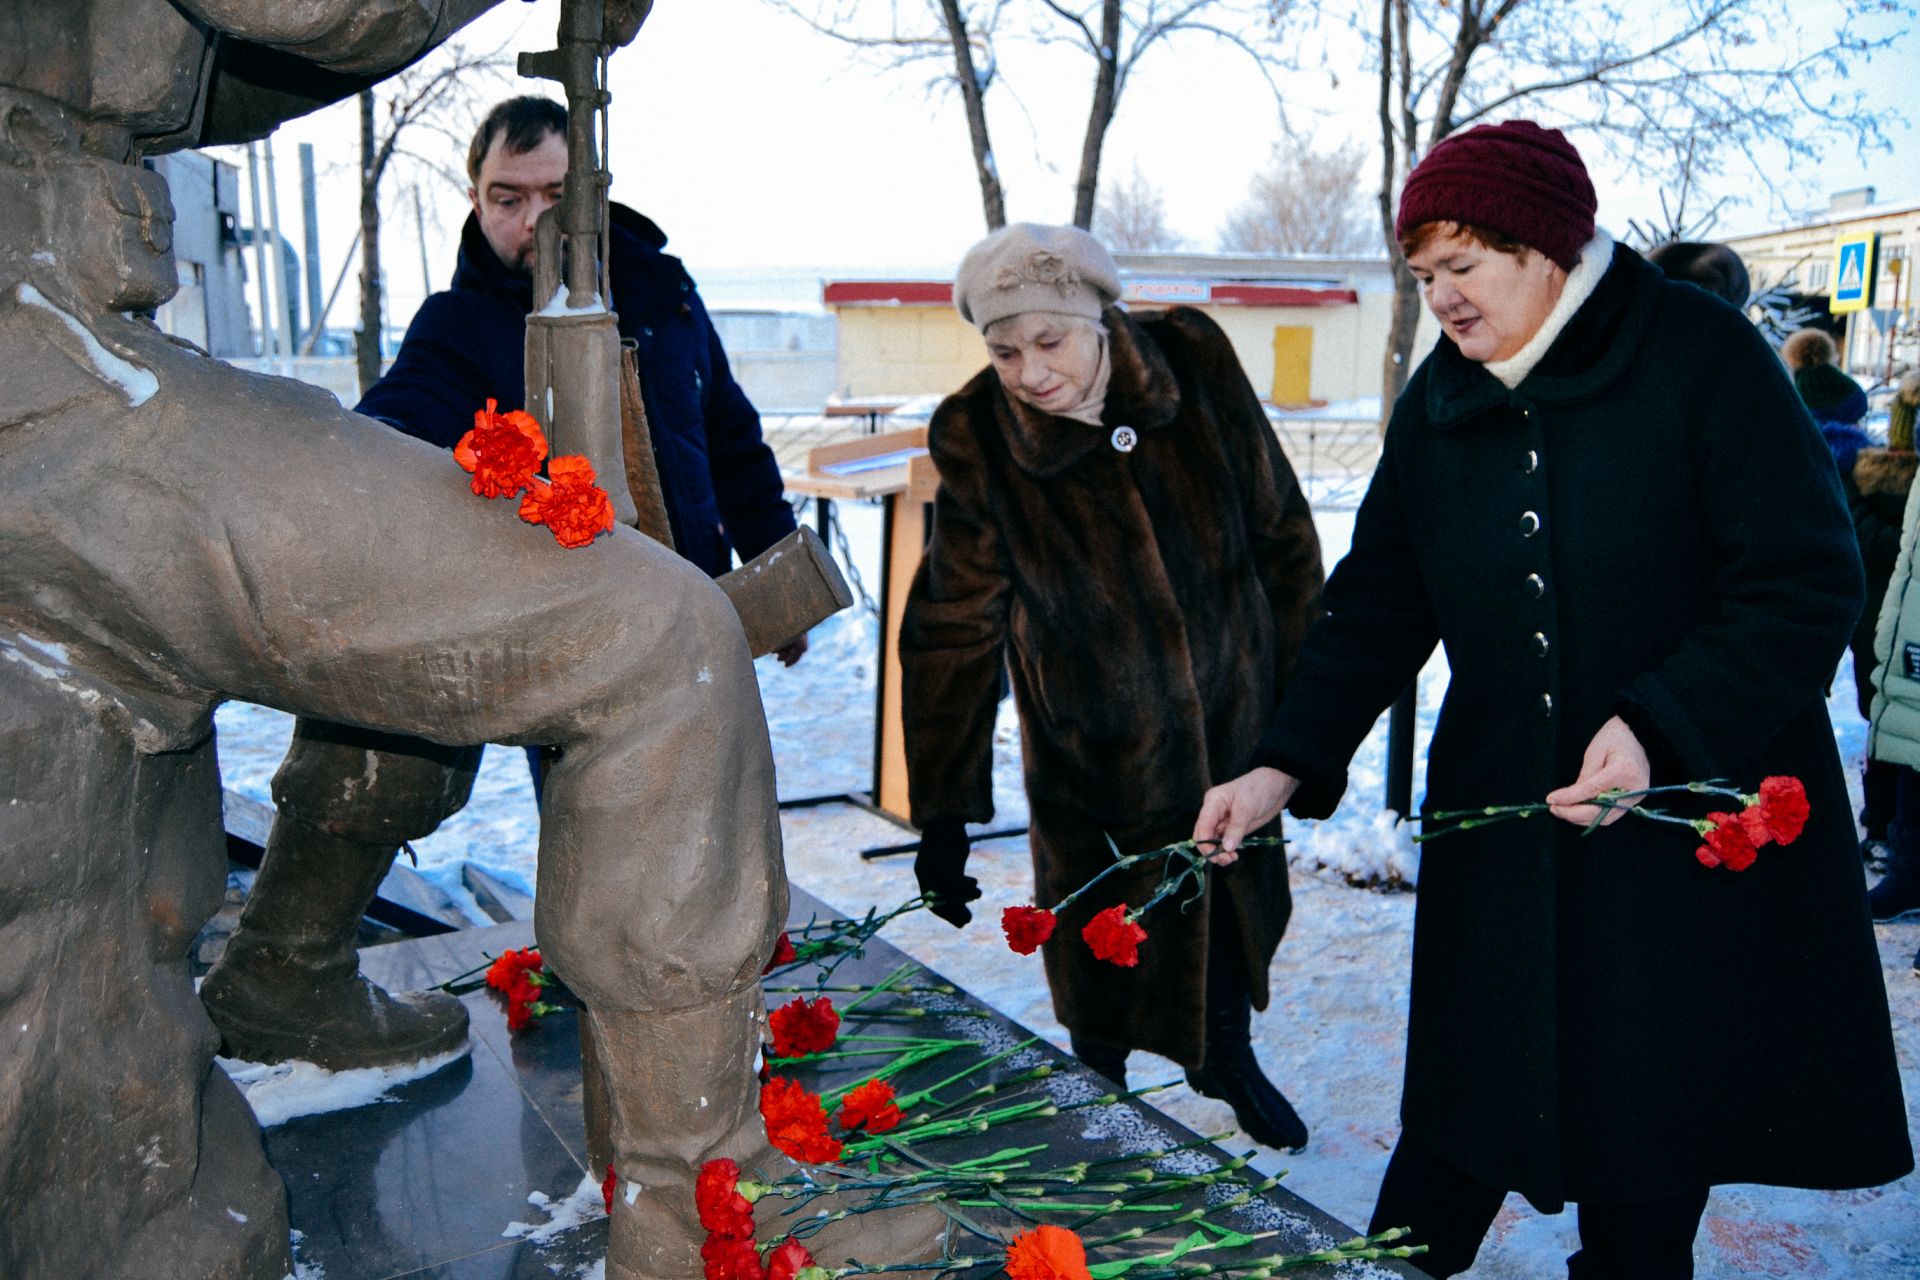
1595, 256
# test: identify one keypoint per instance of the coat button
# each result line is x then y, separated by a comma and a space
1530, 463
1546, 704
1540, 645
1536, 586
1124, 438
1529, 523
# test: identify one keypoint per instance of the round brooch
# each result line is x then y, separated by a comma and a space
1124, 438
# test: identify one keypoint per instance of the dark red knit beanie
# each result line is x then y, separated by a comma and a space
1515, 178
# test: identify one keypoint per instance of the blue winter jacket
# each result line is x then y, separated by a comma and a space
466, 345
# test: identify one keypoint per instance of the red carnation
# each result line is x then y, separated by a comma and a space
1783, 806
731, 1259
716, 1195
782, 954
788, 1260
869, 1107
510, 968
1026, 928
503, 451
1047, 1253
1727, 843
796, 1123
801, 1027
1115, 938
571, 505
607, 1185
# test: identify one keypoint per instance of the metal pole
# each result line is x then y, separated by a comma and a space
283, 316
319, 324
1893, 316
420, 225
260, 253
1399, 796
310, 210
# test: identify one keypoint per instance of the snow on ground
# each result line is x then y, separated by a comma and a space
1333, 1036
283, 1091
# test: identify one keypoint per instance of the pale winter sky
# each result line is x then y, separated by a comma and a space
771, 158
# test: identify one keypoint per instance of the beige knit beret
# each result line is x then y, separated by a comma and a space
1029, 267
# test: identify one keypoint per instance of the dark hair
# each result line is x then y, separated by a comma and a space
1713, 267
1418, 237
525, 122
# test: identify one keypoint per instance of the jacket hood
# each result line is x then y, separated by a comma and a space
479, 267
1595, 349
1142, 393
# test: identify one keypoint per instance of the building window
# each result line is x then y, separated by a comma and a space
1817, 275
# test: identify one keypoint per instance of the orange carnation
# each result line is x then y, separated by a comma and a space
571, 505
503, 451
1047, 1253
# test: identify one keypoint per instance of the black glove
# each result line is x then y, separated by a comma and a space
941, 868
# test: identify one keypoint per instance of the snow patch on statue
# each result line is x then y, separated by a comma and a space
283, 1091
137, 384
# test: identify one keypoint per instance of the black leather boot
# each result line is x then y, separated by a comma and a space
1109, 1060
1231, 1073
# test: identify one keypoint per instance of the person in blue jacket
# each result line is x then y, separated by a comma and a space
721, 483
289, 985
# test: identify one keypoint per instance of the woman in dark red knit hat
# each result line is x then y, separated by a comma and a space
1602, 495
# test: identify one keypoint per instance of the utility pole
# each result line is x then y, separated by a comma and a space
310, 210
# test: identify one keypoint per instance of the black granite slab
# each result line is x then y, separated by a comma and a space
424, 1183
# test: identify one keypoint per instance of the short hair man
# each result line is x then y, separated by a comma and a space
288, 985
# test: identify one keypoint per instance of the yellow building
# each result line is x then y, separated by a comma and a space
1802, 259
1307, 329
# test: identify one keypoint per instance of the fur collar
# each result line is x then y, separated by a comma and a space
1885, 471
1142, 393
1592, 351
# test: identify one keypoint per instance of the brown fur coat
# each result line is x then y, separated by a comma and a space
1148, 605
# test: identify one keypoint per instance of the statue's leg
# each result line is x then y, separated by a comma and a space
377, 590
288, 984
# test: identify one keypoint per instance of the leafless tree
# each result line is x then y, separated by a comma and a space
954, 37
441, 97
963, 34
1305, 201
1132, 216
1686, 85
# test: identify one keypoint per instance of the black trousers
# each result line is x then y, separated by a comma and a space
1449, 1211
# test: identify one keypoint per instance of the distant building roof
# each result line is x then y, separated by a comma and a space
1834, 218
1192, 289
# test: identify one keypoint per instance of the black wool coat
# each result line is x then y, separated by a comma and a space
1648, 526
1148, 605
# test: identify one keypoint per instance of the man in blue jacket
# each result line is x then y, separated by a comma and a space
722, 486
288, 984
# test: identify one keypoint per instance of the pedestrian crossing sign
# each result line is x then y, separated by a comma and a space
1856, 262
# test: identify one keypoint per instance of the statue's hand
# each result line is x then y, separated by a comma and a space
624, 18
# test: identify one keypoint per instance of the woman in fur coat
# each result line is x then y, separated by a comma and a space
1116, 528
1602, 495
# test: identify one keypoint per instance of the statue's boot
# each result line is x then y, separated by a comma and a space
288, 985
680, 1092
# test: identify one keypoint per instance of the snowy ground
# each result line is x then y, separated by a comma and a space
1334, 1035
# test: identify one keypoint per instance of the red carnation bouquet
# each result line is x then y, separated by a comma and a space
503, 453
1775, 814
1115, 934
